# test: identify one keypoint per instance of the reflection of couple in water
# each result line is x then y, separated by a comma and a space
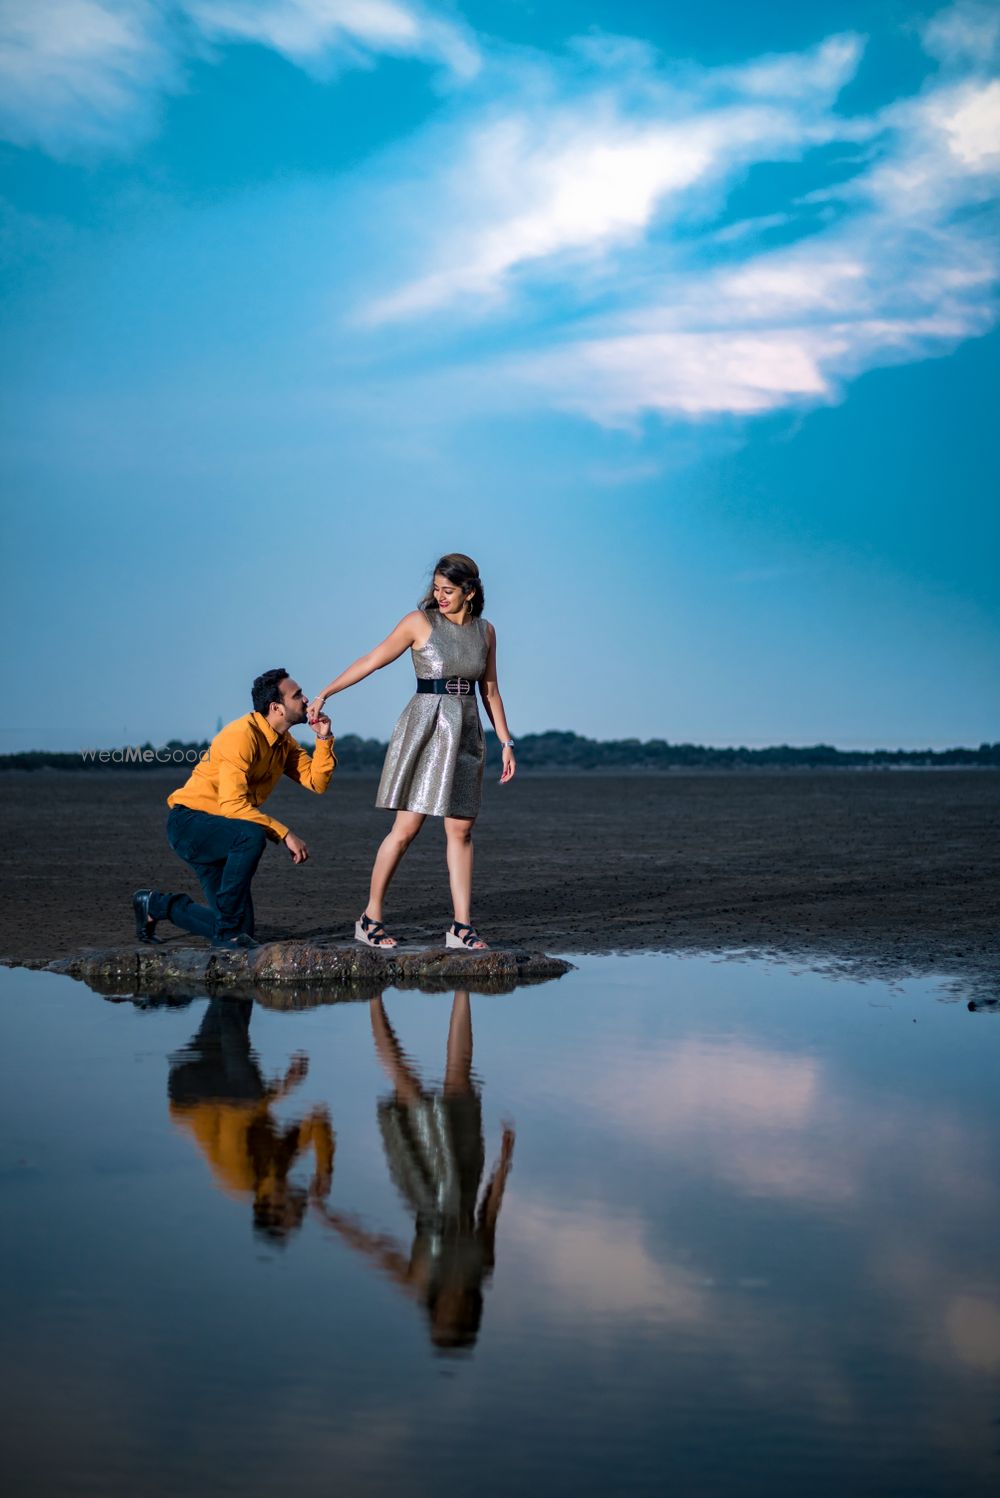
433, 1141
433, 767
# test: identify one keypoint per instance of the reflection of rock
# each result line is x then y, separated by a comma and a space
295, 974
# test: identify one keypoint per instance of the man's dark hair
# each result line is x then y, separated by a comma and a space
265, 689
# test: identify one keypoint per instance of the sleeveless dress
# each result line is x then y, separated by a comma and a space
434, 763
435, 1152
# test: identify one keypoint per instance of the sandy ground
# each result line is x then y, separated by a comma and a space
893, 872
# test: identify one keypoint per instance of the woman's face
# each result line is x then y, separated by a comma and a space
449, 597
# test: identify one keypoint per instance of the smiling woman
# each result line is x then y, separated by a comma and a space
434, 764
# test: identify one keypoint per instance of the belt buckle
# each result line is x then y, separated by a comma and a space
458, 686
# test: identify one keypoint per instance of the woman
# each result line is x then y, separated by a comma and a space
434, 1147
434, 764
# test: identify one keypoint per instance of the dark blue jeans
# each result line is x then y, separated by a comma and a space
224, 853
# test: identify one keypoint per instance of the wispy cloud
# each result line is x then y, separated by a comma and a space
582, 175
967, 33
810, 76
88, 74
75, 73
608, 211
569, 229
311, 33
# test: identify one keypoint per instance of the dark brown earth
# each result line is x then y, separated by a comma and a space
894, 872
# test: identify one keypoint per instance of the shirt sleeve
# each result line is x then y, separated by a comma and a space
235, 755
313, 771
316, 1131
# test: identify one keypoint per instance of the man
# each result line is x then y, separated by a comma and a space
215, 822
219, 1096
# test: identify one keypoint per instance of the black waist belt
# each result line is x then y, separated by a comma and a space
447, 686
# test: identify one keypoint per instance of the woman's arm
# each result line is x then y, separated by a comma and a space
489, 1209
406, 633
378, 1247
493, 703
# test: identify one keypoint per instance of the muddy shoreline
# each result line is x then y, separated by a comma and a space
888, 873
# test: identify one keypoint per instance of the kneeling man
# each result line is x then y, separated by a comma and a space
215, 822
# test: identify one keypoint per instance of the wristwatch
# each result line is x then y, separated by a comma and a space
508, 745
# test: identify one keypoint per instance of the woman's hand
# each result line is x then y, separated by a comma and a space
509, 766
315, 708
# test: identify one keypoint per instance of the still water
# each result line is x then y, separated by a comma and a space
666, 1225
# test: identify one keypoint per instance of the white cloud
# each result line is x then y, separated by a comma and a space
612, 379
76, 72
783, 328
973, 1326
821, 73
596, 172
309, 31
608, 50
965, 33
579, 180
85, 74
894, 264
743, 369
592, 1263
578, 201
532, 193
732, 1084
969, 119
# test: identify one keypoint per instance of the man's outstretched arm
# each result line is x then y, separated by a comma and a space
313, 771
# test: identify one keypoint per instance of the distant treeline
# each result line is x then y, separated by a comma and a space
549, 751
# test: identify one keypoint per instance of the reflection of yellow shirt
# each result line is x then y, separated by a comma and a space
222, 1133
244, 764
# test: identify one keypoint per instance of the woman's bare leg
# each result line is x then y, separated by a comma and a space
458, 831
458, 1065
404, 829
400, 1069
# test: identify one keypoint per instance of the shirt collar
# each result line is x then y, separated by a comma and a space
269, 733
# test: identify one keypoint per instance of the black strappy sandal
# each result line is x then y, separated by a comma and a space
372, 933
453, 937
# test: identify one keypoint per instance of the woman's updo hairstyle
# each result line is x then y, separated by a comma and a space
463, 572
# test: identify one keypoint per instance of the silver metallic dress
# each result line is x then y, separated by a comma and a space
434, 763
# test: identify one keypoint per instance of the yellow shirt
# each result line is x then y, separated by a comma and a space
222, 1131
244, 764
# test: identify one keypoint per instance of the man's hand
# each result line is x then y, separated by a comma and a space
298, 1068
296, 848
320, 725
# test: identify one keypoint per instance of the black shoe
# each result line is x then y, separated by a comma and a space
238, 943
145, 924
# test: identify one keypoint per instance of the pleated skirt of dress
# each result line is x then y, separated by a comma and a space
434, 763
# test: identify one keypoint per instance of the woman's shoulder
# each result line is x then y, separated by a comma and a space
420, 623
413, 624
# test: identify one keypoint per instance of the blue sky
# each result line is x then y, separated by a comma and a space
681, 320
